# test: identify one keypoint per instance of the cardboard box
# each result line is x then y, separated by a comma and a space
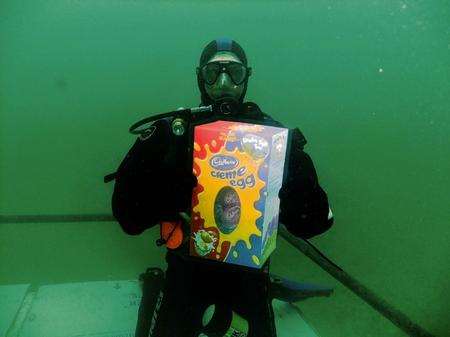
235, 206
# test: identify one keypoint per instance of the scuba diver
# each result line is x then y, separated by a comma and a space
154, 185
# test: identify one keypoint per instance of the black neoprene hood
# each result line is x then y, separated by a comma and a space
221, 44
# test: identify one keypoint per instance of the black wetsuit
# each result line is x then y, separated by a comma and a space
154, 183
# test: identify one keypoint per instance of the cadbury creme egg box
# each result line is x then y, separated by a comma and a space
235, 206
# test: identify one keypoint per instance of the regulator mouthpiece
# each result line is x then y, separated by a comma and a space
227, 105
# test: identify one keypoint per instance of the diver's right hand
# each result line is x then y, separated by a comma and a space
174, 189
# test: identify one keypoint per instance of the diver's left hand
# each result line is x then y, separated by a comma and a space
180, 188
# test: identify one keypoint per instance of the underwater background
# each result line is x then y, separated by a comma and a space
367, 82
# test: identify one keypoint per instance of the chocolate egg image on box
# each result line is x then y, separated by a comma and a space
227, 209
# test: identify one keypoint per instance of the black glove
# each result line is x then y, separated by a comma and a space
305, 214
173, 188
303, 203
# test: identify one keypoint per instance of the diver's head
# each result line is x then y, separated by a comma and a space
222, 72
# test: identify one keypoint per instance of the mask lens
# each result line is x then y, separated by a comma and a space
238, 72
210, 72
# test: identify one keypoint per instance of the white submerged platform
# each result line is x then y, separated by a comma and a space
97, 309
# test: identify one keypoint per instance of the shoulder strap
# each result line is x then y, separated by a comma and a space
298, 138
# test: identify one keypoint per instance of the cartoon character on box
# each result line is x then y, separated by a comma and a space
239, 168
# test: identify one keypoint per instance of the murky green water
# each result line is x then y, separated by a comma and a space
366, 81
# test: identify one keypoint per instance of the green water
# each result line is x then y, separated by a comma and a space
366, 81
